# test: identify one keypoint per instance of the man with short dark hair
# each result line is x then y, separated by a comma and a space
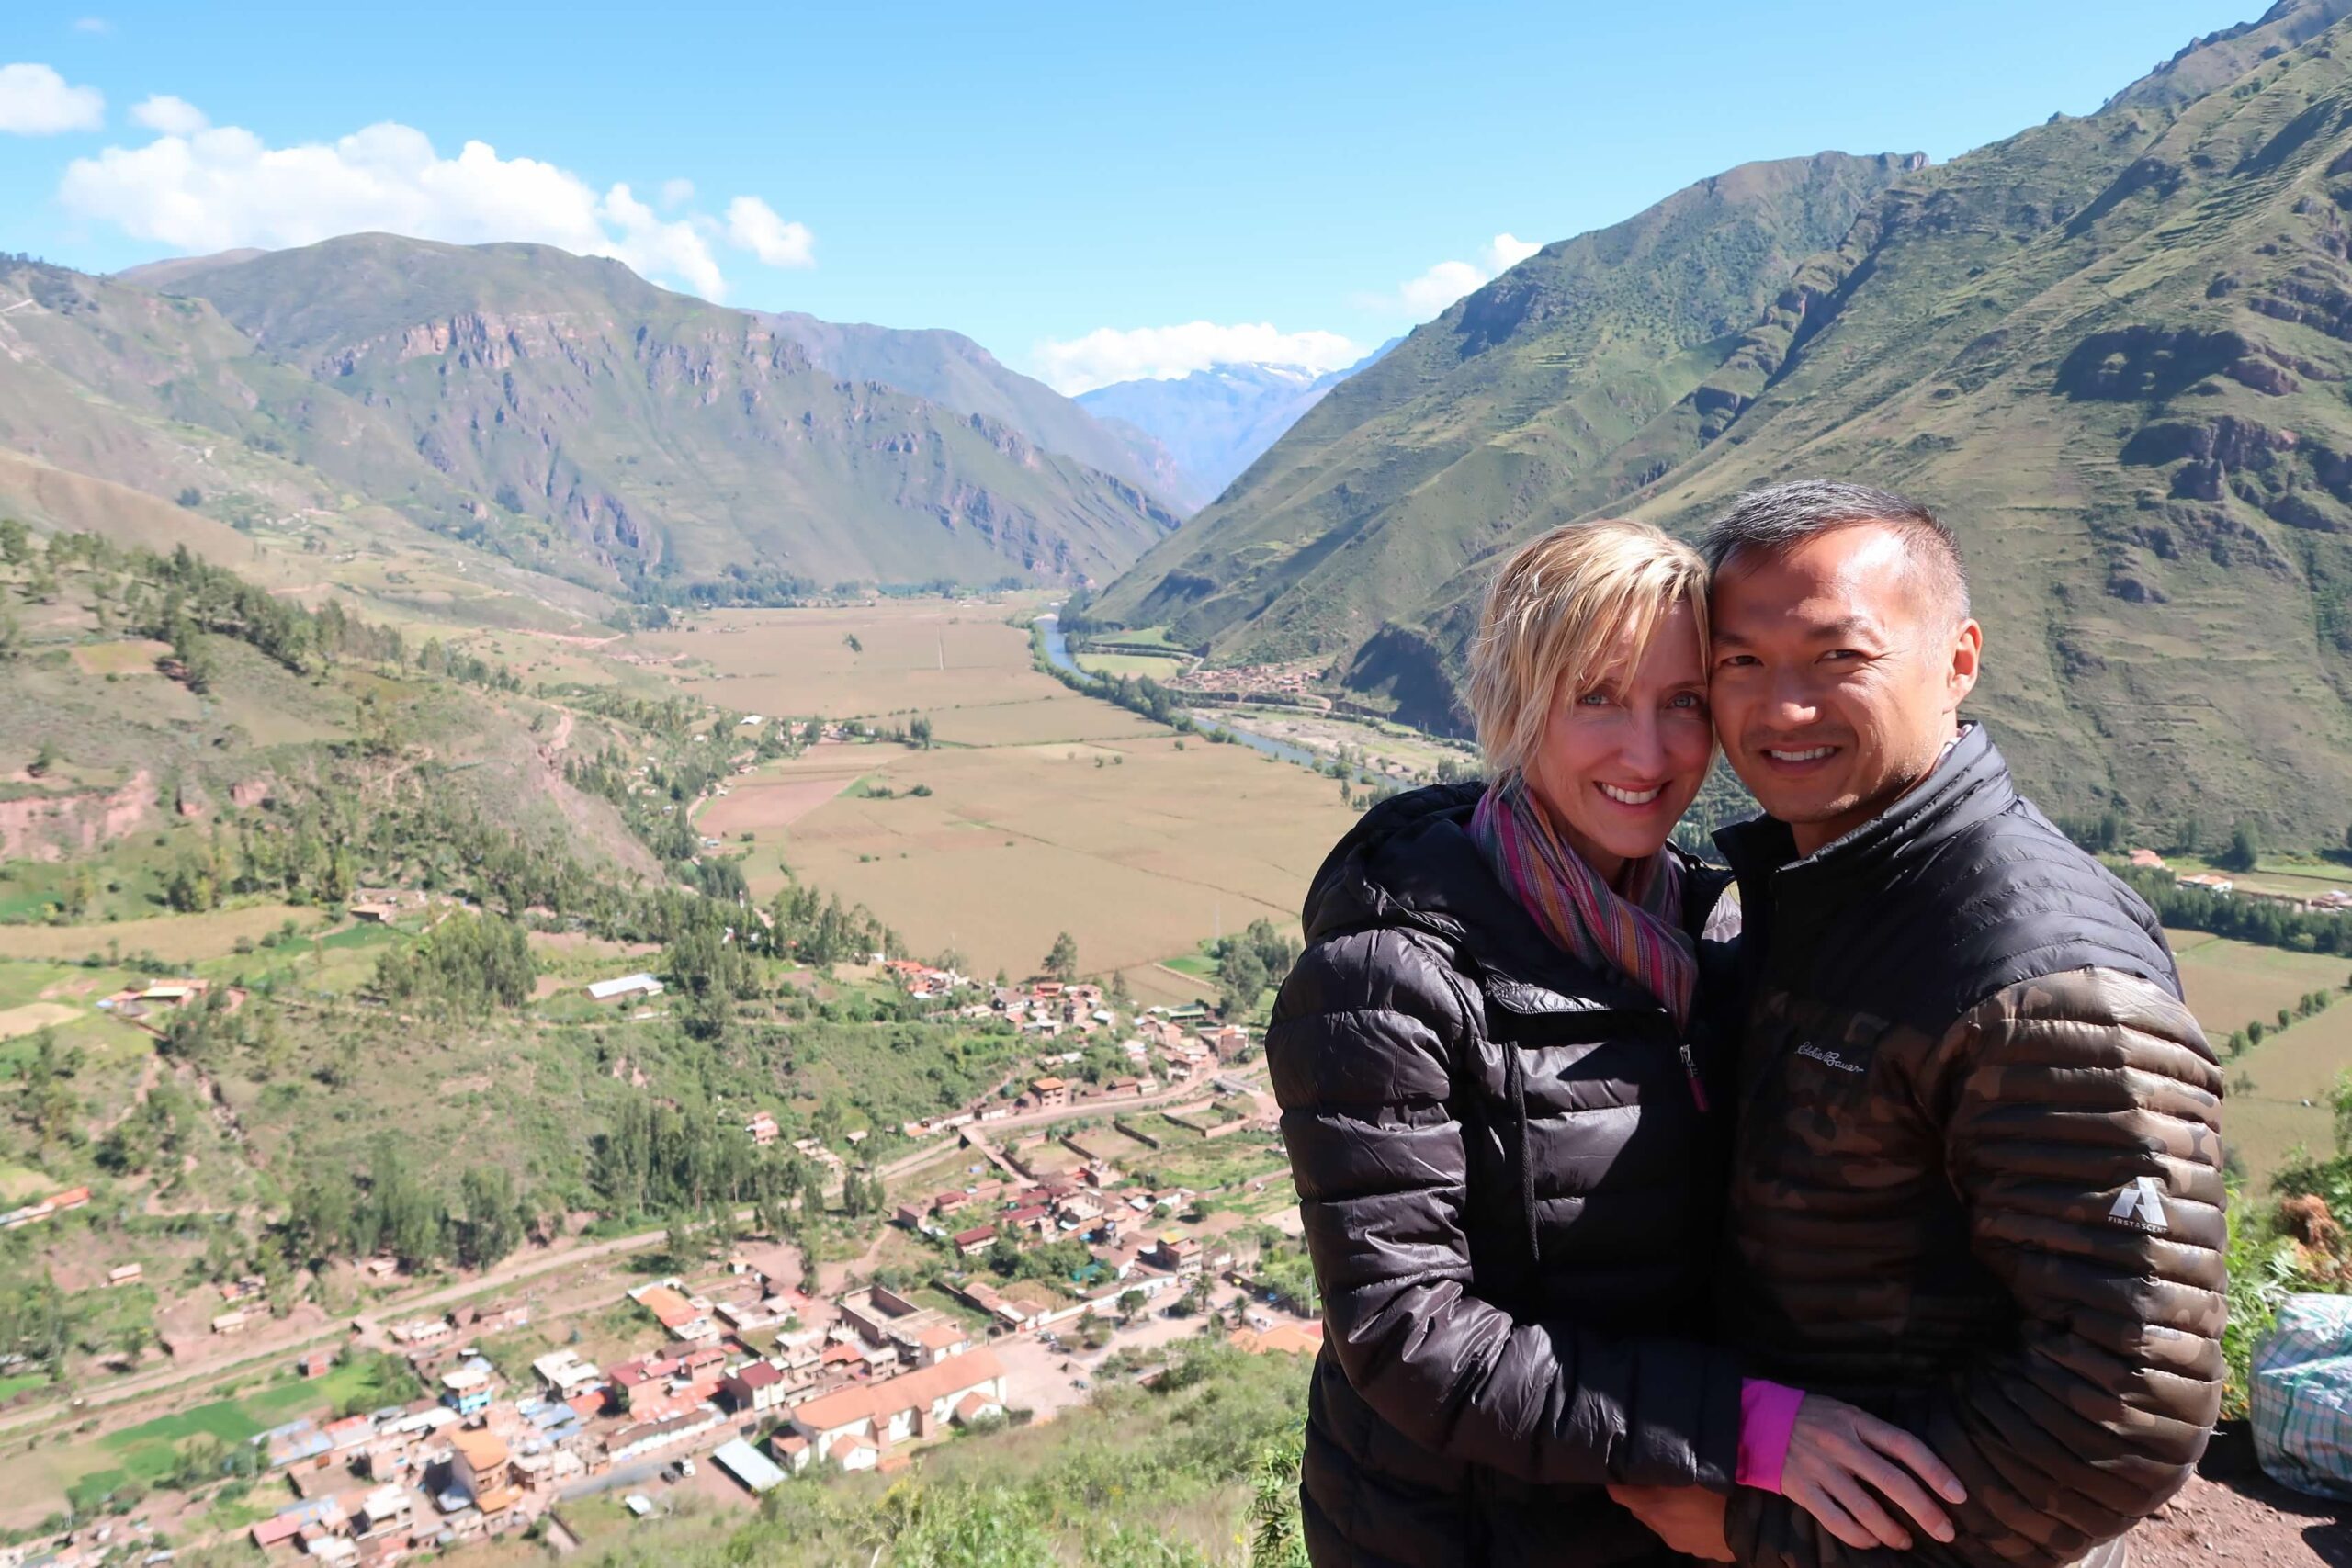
1977, 1188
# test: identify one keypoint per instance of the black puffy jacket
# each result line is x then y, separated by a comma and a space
1512, 1202
1977, 1186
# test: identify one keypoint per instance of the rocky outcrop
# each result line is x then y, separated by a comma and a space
51, 827
2137, 364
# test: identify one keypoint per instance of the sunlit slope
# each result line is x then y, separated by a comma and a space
1512, 405
2114, 350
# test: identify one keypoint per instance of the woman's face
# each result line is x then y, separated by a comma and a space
1620, 762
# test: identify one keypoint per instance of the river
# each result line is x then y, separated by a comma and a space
1058, 653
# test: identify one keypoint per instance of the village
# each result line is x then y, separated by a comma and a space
1035, 1258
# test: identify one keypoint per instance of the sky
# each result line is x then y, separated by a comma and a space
1094, 193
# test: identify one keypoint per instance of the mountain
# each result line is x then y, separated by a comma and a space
1474, 423
556, 408
950, 369
1215, 423
2111, 349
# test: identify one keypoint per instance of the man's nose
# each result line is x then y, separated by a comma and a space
1794, 700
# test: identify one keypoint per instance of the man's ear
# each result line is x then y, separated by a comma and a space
1967, 649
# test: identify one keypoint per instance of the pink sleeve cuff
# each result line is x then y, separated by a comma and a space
1767, 1415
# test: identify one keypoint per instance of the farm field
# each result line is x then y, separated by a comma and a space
909, 656
1048, 811
2232, 983
179, 938
1136, 847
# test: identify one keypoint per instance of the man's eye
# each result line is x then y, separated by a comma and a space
1737, 661
1841, 654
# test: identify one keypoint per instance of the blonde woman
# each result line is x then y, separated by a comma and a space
1506, 1116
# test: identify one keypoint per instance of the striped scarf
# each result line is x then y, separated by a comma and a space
1639, 936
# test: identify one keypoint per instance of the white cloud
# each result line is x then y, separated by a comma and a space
752, 225
676, 193
219, 187
1431, 293
98, 25
1107, 355
35, 101
1505, 252
173, 117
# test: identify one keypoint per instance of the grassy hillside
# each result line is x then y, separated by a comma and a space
559, 413
663, 435
1479, 423
2110, 349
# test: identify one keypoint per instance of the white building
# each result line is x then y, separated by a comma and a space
857, 1423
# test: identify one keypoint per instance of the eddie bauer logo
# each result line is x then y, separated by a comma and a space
1828, 1057
2141, 1206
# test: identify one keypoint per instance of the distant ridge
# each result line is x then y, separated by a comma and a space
1215, 423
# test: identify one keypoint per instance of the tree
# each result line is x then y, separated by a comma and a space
2243, 851
1241, 978
919, 732
1061, 963
493, 1221
44, 760
1131, 1305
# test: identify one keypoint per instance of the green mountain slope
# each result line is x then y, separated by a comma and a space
555, 409
663, 435
1516, 400
2112, 349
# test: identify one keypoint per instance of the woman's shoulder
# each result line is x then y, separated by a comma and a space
1380, 966
1710, 898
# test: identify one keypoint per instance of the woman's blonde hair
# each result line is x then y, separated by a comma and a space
1553, 615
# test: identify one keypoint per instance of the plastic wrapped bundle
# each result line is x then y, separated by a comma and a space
2302, 1396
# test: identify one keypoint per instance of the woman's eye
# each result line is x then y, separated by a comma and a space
1594, 700
1685, 700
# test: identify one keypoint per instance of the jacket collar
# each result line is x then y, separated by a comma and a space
1968, 786
1411, 861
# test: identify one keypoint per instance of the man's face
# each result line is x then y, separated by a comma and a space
1836, 678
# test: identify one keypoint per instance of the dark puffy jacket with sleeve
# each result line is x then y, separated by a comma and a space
1513, 1199
1978, 1188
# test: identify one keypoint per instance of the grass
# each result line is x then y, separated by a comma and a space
178, 938
148, 1452
2232, 983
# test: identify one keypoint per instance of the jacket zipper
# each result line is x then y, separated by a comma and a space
1690, 1070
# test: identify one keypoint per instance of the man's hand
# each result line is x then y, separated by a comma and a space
1687, 1519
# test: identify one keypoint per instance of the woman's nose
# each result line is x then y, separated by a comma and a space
1645, 749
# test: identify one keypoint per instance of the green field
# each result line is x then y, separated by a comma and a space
148, 1451
2232, 983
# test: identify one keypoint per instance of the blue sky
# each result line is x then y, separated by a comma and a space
1090, 191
